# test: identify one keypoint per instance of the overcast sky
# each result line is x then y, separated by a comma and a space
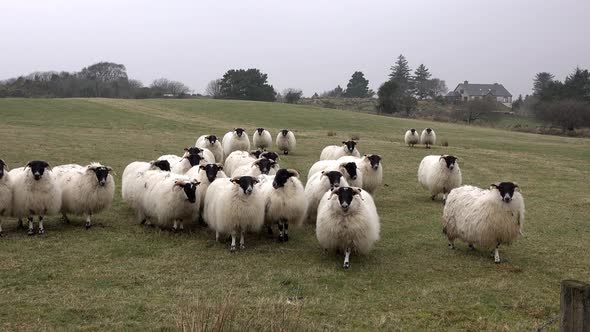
311, 45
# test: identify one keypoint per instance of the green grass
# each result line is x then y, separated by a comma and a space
120, 276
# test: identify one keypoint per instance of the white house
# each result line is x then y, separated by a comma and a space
468, 91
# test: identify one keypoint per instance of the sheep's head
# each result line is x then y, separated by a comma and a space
269, 155
194, 155
413, 131
428, 130
2, 167
350, 168
256, 153
264, 165
189, 187
260, 131
284, 132
334, 178
350, 145
239, 131
346, 195
374, 159
451, 161
37, 168
101, 172
282, 176
246, 183
211, 138
211, 171
163, 165
506, 190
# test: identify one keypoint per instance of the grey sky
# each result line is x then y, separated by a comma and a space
312, 45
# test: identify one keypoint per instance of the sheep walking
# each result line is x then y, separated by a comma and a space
347, 221
35, 192
333, 152
261, 139
412, 138
370, 168
234, 206
211, 143
348, 168
439, 174
485, 218
236, 140
85, 190
315, 188
286, 141
428, 137
5, 193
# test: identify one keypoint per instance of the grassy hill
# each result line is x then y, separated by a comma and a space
120, 275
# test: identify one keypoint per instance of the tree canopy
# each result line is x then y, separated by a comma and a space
246, 84
358, 86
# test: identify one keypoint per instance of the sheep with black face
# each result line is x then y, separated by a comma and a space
333, 152
428, 137
205, 175
439, 174
235, 140
348, 168
412, 138
485, 218
261, 139
211, 143
5, 192
131, 185
86, 190
261, 166
286, 141
315, 188
370, 168
347, 221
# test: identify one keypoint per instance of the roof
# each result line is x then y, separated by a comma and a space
497, 90
453, 94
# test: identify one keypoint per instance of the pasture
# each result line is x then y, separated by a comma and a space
120, 275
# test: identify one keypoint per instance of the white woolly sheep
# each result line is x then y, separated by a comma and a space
131, 178
261, 139
235, 140
5, 193
370, 168
192, 156
333, 152
85, 190
412, 138
348, 168
35, 192
286, 141
232, 206
205, 175
237, 159
211, 143
349, 223
315, 188
285, 201
486, 218
256, 168
428, 137
439, 174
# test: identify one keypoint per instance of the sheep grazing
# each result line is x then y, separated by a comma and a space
315, 188
285, 201
234, 206
261, 139
236, 140
485, 218
35, 192
131, 178
192, 156
439, 174
370, 168
428, 137
256, 168
205, 175
211, 143
286, 141
333, 152
348, 168
85, 190
412, 138
5, 193
349, 223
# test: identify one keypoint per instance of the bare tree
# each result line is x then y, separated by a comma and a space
213, 89
474, 109
292, 96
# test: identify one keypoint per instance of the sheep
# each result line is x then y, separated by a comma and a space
261, 139
315, 188
236, 140
333, 152
439, 174
241, 158
370, 168
286, 141
5, 193
35, 191
486, 218
211, 143
256, 168
285, 201
85, 190
192, 156
234, 205
428, 137
412, 138
349, 223
168, 199
205, 175
130, 183
348, 168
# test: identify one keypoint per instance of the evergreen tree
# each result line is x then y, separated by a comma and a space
541, 81
400, 73
358, 86
422, 86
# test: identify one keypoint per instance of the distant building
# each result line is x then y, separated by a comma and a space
467, 91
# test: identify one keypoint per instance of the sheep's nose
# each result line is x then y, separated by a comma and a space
102, 183
37, 176
344, 206
248, 191
507, 199
452, 166
353, 177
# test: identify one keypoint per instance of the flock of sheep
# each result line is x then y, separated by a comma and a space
236, 191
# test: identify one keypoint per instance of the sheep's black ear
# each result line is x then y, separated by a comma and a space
343, 142
201, 166
494, 185
255, 181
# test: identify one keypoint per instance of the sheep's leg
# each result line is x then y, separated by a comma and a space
242, 245
233, 241
281, 235
286, 231
88, 221
471, 246
175, 226
31, 227
181, 226
433, 197
216, 236
346, 258
41, 228
497, 254
269, 229
65, 218
0, 227
19, 224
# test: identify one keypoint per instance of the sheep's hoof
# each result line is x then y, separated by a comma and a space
433, 197
451, 246
1, 234
20, 225
65, 220
41, 231
471, 247
143, 222
285, 152
281, 238
31, 232
242, 247
174, 230
232, 249
286, 237
497, 261
88, 225
346, 265
269, 230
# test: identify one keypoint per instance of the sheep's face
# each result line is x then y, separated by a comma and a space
350, 169
239, 131
506, 190
282, 177
189, 188
451, 161
345, 196
259, 131
374, 159
211, 171
2, 167
212, 139
192, 150
163, 165
256, 153
269, 155
37, 168
264, 165
350, 145
428, 130
284, 132
102, 173
413, 131
334, 178
194, 155
246, 183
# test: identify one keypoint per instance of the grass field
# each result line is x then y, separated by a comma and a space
122, 276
